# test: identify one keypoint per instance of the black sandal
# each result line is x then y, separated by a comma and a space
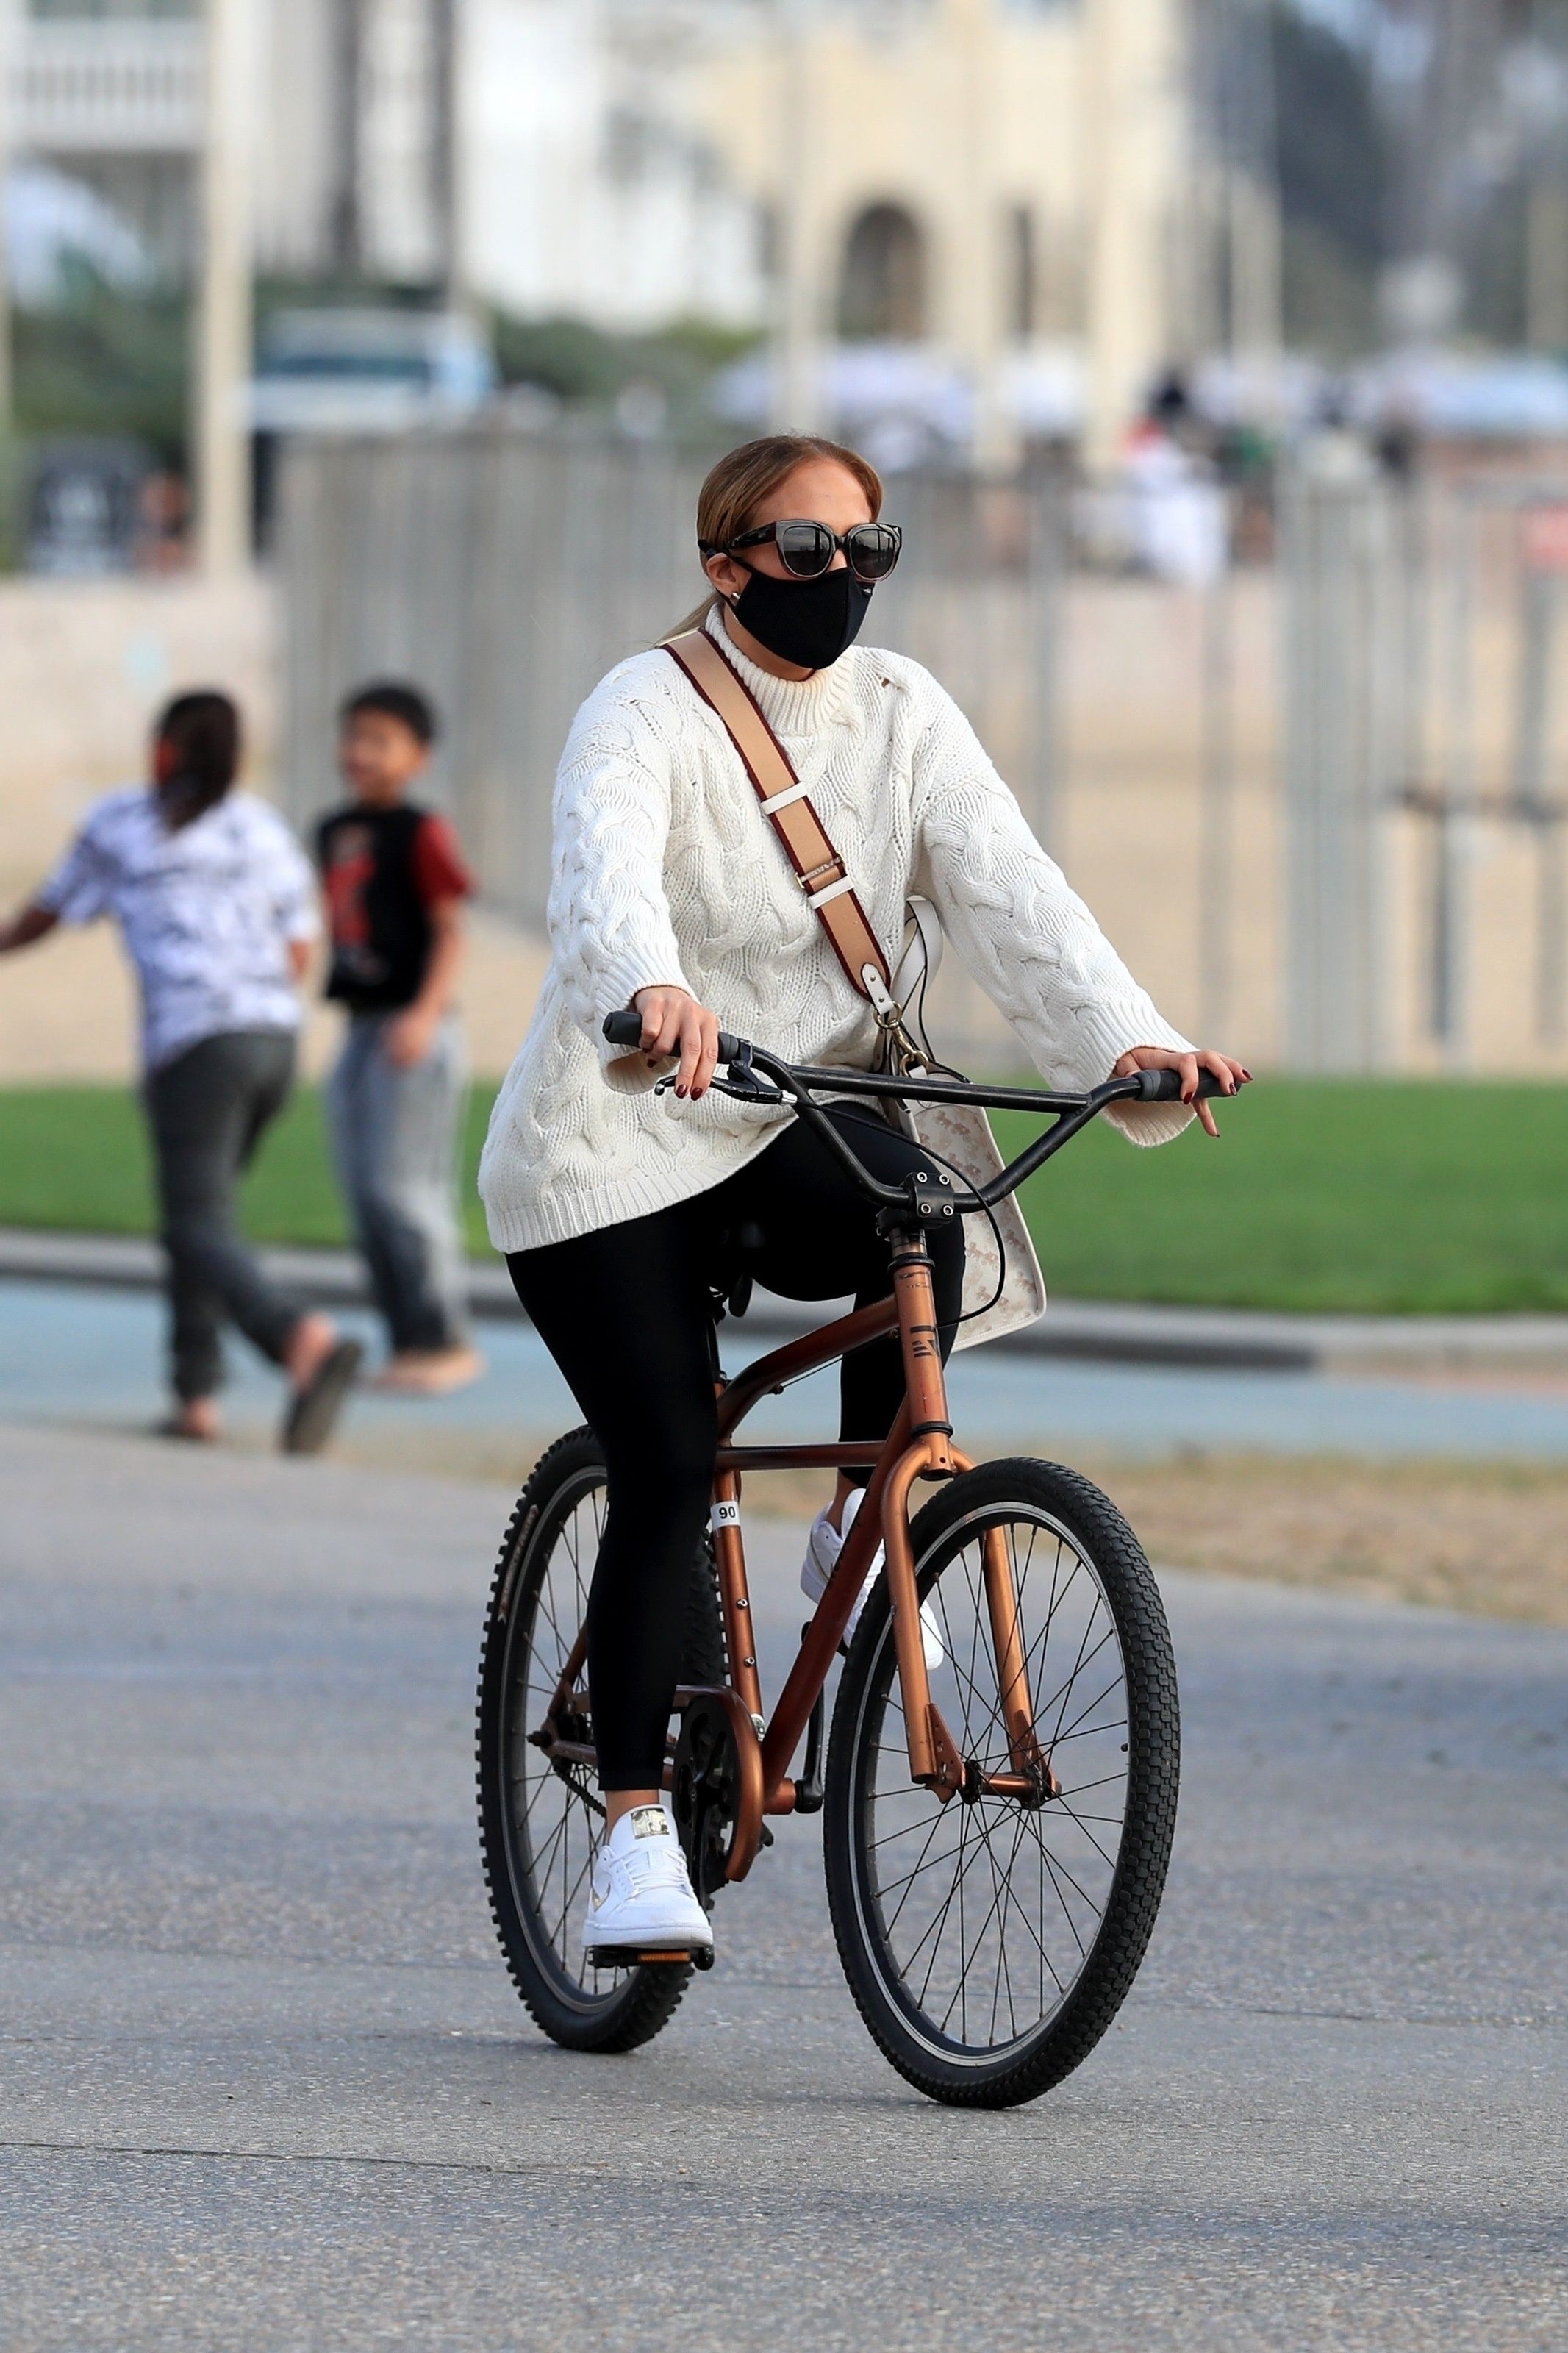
313, 1409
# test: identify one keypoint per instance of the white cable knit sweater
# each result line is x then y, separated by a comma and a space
663, 870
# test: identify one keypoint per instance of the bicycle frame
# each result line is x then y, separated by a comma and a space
920, 1446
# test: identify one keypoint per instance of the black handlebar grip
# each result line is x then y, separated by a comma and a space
1165, 1086
626, 1029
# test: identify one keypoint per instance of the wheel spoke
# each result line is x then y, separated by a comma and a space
986, 1921
552, 1816
1109, 1859
906, 1883
1090, 1732
552, 1825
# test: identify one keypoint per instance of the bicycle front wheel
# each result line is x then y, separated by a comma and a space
990, 1942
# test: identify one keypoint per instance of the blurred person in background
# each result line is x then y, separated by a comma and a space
216, 904
1177, 508
395, 883
1333, 451
163, 523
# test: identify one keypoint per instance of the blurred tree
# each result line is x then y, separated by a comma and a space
1413, 138
102, 360
585, 367
568, 357
1332, 162
1496, 299
1331, 144
345, 291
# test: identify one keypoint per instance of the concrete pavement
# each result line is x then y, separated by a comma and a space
265, 2084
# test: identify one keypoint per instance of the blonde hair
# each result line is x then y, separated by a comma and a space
741, 479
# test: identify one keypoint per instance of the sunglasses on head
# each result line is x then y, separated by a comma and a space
806, 549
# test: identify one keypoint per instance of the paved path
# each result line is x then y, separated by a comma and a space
265, 2086
75, 1355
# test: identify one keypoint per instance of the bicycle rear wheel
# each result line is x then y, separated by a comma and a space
990, 1942
541, 1820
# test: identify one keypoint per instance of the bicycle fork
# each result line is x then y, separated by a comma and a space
934, 1758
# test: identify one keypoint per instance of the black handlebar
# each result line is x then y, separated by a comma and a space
1165, 1086
626, 1029
753, 1075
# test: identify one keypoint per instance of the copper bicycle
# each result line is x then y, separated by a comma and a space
996, 1827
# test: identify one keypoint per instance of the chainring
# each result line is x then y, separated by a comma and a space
716, 1791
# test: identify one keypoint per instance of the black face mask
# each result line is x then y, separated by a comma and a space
809, 622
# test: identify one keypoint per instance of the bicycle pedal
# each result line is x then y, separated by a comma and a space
626, 1957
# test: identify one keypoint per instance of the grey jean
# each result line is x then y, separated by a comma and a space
394, 1142
208, 1110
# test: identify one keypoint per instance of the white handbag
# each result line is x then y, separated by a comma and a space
1003, 1286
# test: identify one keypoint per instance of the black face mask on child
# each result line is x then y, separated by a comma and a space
808, 622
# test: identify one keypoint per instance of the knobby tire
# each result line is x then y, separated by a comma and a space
634, 2004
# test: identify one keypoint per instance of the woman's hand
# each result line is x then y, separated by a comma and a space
1226, 1069
674, 1023
409, 1035
34, 922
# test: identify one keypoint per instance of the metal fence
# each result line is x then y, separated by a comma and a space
509, 572
505, 575
1347, 722
1321, 807
1424, 743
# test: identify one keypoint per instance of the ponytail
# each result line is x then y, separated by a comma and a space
199, 737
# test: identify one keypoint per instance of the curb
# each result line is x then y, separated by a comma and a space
1085, 1331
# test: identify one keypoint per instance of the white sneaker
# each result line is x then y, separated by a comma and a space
641, 1894
822, 1550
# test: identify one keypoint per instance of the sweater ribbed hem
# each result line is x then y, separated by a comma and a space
625, 976
1113, 1030
624, 1069
636, 1193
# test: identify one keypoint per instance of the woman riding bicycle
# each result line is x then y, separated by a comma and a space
619, 1213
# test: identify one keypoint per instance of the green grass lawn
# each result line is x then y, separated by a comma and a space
1412, 1197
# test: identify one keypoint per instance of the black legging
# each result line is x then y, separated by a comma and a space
626, 1314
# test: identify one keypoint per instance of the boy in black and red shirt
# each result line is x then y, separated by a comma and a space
395, 883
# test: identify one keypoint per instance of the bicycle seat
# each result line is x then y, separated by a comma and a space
731, 1295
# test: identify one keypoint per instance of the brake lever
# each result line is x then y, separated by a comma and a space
741, 1080
755, 1093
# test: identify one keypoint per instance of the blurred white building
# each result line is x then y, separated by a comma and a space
542, 154
589, 183
1000, 190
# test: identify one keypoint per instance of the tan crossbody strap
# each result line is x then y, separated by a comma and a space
819, 868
